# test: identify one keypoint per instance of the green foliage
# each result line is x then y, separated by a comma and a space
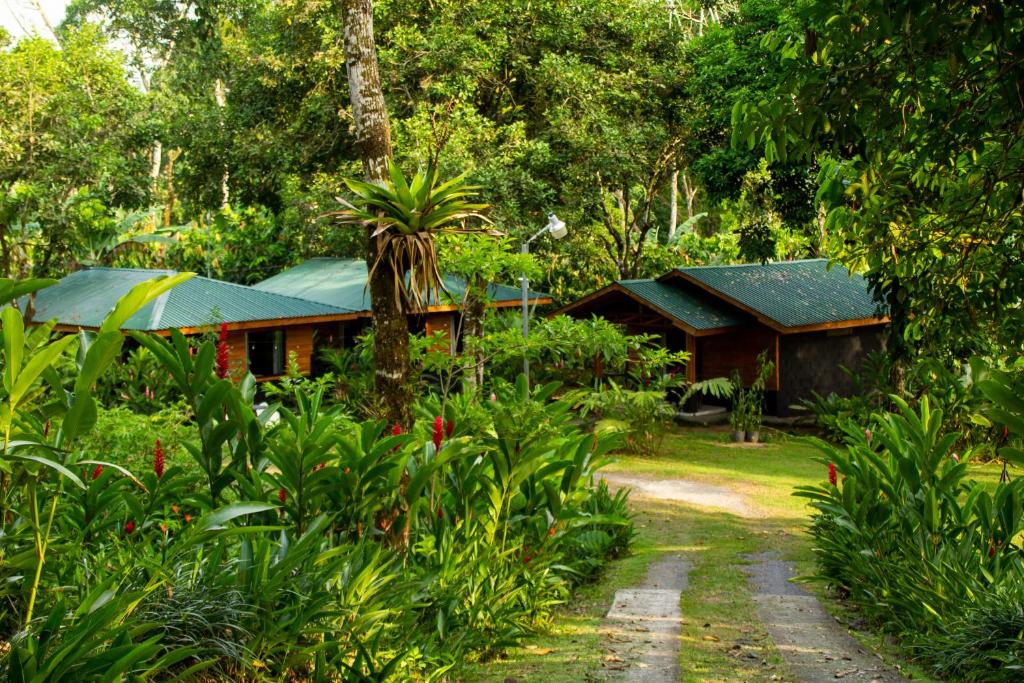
70, 127
910, 541
277, 545
913, 114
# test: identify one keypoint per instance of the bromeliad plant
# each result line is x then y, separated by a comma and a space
404, 217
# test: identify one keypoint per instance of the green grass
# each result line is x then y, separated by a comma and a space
718, 612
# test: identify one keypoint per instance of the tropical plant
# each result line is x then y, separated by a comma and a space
913, 543
404, 217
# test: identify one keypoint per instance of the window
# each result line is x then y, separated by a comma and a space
265, 352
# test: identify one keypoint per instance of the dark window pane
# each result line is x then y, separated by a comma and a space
266, 353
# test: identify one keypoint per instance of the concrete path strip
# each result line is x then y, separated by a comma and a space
643, 625
685, 491
814, 645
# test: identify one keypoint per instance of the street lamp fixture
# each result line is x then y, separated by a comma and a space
557, 229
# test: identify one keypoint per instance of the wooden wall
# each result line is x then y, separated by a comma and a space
717, 355
297, 339
443, 323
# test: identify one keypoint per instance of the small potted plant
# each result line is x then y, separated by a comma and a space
755, 398
752, 423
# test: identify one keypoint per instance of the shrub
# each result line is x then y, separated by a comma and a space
904, 535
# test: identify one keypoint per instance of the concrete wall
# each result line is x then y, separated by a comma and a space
814, 361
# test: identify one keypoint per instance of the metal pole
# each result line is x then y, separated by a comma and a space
525, 249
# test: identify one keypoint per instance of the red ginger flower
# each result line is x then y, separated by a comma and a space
282, 495
129, 527
867, 435
222, 352
992, 550
396, 429
97, 472
449, 428
438, 432
832, 478
158, 460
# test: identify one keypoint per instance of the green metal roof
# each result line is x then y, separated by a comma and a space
342, 282
698, 311
84, 298
790, 293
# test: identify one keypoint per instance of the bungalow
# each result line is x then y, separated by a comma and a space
812, 320
263, 327
342, 282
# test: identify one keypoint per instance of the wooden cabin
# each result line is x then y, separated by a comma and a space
811, 319
342, 282
264, 328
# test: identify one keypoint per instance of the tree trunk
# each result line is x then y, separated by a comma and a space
690, 191
673, 203
220, 97
373, 135
472, 333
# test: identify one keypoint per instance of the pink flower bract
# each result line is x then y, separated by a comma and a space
832, 477
438, 432
222, 352
158, 460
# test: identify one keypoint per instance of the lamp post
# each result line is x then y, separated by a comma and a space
556, 228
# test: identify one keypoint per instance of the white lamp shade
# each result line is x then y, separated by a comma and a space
556, 227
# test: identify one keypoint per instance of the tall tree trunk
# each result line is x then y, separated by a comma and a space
673, 203
690, 192
473, 332
220, 97
373, 134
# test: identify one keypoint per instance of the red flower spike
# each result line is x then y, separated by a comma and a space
438, 432
97, 472
551, 531
449, 428
282, 495
222, 352
1006, 433
991, 551
129, 527
832, 478
867, 435
396, 429
158, 460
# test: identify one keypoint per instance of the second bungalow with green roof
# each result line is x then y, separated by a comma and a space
811, 319
342, 282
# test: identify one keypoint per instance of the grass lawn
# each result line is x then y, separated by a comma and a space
718, 612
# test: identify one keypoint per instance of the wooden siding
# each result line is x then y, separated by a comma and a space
440, 322
717, 356
297, 339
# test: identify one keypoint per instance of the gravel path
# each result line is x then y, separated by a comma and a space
644, 621
643, 625
815, 646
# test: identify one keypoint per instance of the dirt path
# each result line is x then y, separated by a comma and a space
814, 645
642, 625
685, 491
